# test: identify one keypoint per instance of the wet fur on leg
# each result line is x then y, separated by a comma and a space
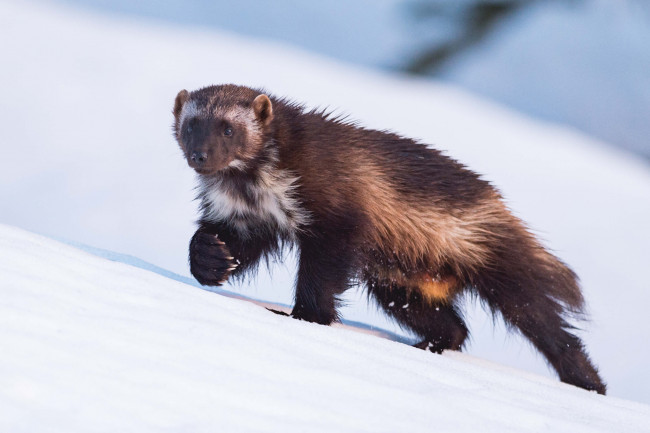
439, 324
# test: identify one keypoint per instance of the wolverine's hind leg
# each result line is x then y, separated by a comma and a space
437, 322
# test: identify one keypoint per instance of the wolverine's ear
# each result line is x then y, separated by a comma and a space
263, 109
181, 98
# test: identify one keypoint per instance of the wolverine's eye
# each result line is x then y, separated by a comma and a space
189, 129
227, 132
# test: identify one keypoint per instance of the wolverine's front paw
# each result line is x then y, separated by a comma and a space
210, 259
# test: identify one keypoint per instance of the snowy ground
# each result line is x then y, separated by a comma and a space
87, 156
94, 345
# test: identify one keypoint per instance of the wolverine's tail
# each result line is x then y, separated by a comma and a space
537, 294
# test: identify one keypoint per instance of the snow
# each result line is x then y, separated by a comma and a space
582, 64
96, 345
88, 157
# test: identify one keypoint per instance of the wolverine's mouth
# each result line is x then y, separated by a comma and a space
204, 171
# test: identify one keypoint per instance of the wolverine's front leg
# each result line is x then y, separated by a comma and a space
324, 272
217, 252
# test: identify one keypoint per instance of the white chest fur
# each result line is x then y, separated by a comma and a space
271, 200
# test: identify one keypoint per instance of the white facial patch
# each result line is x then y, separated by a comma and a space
189, 110
246, 117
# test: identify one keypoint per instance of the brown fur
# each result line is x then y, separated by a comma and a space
415, 226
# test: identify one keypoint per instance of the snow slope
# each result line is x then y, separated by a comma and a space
94, 345
87, 156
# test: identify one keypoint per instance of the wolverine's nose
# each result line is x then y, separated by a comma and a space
198, 158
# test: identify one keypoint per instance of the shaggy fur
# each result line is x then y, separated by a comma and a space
414, 226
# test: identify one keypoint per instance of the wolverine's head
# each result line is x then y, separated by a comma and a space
221, 127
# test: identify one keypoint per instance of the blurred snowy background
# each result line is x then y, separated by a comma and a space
580, 63
550, 100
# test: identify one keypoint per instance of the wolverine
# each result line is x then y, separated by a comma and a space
415, 227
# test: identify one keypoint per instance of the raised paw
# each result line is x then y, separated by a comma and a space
210, 260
